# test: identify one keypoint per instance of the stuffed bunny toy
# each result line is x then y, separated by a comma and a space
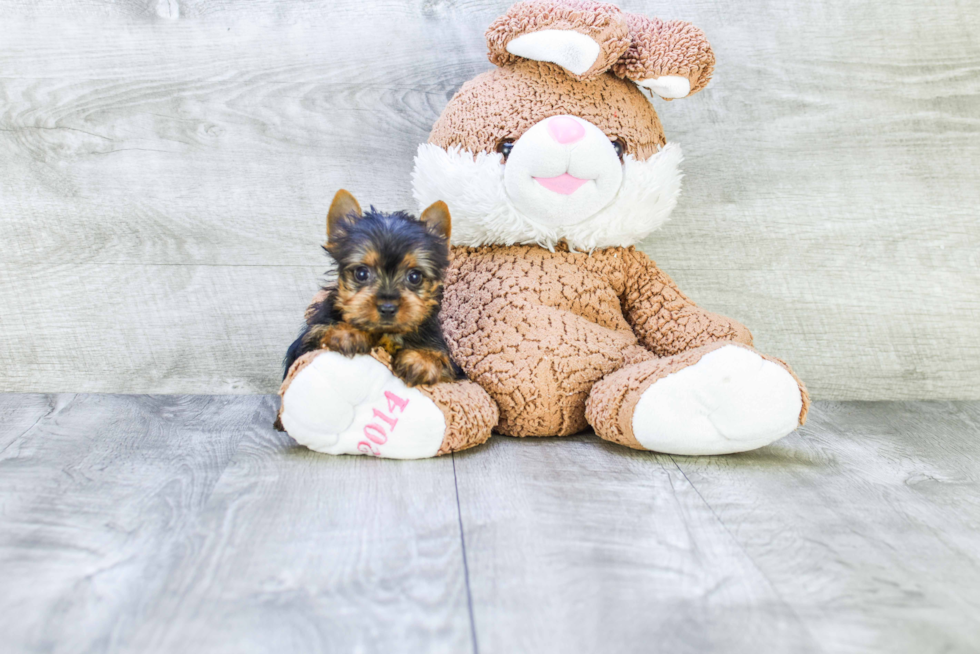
554, 165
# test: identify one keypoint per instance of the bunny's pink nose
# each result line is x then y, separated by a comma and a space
565, 129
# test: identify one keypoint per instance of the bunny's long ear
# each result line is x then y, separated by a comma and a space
671, 58
583, 37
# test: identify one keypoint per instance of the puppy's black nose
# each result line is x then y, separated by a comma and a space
387, 309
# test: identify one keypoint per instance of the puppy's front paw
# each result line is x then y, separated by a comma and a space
423, 367
341, 338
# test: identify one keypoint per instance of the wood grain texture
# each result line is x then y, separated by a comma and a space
20, 414
184, 523
167, 524
867, 523
831, 197
578, 545
150, 327
859, 535
95, 499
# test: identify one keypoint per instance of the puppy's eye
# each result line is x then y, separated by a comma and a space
414, 277
505, 146
619, 145
362, 273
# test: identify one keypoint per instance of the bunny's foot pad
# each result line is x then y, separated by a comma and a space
341, 405
731, 400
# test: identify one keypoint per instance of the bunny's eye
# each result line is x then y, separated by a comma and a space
619, 145
505, 146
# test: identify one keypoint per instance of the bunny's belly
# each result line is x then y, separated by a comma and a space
536, 330
542, 378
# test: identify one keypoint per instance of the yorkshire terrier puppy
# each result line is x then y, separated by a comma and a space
387, 292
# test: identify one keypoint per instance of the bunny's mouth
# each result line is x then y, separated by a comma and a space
561, 171
564, 184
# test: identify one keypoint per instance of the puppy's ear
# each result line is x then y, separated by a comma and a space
343, 210
583, 37
437, 220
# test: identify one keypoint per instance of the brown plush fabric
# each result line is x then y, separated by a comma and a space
506, 102
470, 414
603, 23
612, 401
664, 319
661, 48
538, 329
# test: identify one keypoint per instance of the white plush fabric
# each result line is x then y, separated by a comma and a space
330, 407
483, 213
573, 51
538, 154
668, 86
732, 400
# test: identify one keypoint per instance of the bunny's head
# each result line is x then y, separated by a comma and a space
560, 142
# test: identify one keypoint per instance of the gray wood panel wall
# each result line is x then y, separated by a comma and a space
165, 167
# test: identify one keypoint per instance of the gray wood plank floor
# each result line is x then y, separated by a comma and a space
186, 524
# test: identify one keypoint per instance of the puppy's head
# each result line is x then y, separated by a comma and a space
389, 266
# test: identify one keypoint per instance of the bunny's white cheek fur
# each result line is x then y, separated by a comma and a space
473, 186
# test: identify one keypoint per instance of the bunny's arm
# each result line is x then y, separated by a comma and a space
672, 58
664, 320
